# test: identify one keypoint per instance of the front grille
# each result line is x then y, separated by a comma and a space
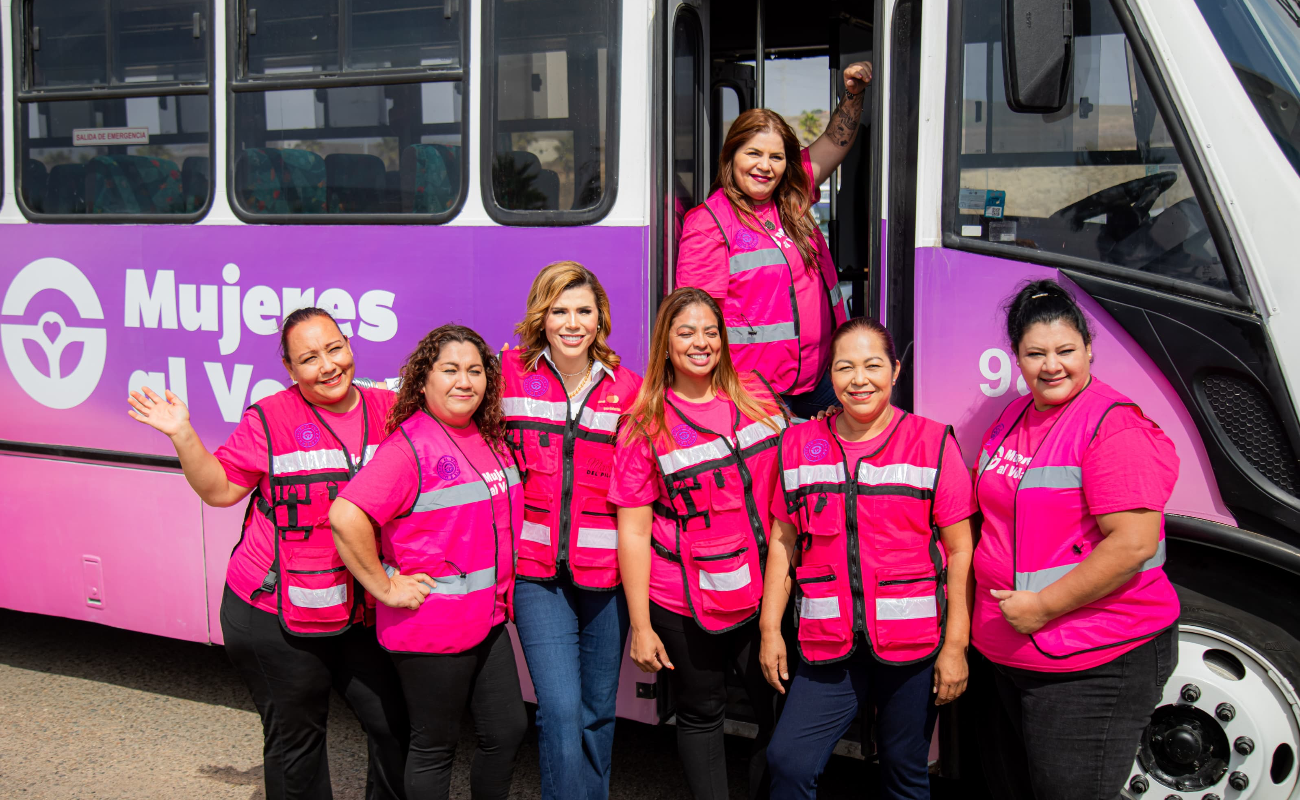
1248, 416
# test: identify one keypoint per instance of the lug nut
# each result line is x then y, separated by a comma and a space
1244, 745
1138, 784
1225, 712
1211, 796
1172, 797
1190, 693
1238, 781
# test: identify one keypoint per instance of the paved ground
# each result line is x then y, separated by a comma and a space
93, 712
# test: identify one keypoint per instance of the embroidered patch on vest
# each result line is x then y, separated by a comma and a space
536, 386
746, 240
448, 468
685, 435
307, 435
816, 450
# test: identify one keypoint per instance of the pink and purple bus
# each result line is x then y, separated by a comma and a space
179, 175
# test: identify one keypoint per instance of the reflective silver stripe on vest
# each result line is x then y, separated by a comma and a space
536, 532
598, 538
900, 474
604, 421
452, 496
512, 476
1039, 580
678, 460
820, 608
725, 581
475, 581
984, 459
807, 474
369, 454
756, 432
767, 257
836, 295
532, 407
390, 570
307, 460
318, 598
906, 607
761, 334
1052, 478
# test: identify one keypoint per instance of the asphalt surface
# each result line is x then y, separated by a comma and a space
88, 711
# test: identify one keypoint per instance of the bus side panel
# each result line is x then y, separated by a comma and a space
221, 529
131, 539
966, 373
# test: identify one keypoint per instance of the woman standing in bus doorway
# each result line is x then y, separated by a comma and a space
563, 396
443, 492
294, 450
695, 471
1072, 481
876, 511
756, 248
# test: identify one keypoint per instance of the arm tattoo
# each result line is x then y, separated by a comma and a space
844, 122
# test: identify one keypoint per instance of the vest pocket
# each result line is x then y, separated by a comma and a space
907, 611
821, 619
595, 534
542, 451
535, 544
823, 514
896, 523
727, 575
726, 492
315, 585
593, 465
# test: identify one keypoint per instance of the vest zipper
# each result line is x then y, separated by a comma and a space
722, 556
567, 466
901, 581
818, 579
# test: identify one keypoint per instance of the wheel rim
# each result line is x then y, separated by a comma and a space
1226, 726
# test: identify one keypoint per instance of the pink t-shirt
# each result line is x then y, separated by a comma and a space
638, 481
702, 262
244, 458
1129, 464
954, 496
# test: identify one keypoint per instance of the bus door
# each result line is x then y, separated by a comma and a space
732, 93
849, 227
685, 175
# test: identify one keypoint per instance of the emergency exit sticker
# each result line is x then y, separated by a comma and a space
995, 204
88, 137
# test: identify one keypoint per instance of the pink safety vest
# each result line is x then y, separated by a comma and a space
719, 529
452, 535
566, 464
760, 310
1053, 532
871, 559
307, 466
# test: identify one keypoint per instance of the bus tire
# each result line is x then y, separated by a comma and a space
1228, 724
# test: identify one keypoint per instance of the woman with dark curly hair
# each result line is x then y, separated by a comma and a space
443, 493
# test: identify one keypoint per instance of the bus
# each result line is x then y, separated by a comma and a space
179, 175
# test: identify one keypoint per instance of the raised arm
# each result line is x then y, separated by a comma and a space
204, 472
634, 526
833, 145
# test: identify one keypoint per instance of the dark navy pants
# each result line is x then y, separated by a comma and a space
824, 700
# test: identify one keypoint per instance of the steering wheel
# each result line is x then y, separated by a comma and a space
1127, 206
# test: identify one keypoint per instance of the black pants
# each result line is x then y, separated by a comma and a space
290, 679
438, 689
1073, 735
699, 685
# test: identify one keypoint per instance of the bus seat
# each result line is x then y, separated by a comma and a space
426, 183
259, 181
515, 178
548, 183
304, 181
355, 182
35, 180
65, 192
194, 182
133, 185
392, 192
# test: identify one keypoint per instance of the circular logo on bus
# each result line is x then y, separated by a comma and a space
536, 385
816, 450
685, 435
746, 240
307, 435
448, 468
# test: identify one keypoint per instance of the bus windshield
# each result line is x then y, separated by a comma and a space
1261, 39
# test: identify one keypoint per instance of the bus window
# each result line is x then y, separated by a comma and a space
1100, 180
114, 109
349, 110
551, 124
686, 176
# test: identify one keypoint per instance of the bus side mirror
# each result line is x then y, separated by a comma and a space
1038, 39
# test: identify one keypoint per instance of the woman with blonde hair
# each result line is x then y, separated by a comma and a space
695, 475
563, 395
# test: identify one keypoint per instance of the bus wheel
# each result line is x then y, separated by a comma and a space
1227, 726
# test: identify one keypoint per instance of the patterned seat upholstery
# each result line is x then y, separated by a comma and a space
195, 180
273, 181
65, 191
133, 185
430, 178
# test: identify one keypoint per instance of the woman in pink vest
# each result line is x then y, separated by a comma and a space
754, 245
292, 616
695, 471
564, 395
443, 494
1073, 606
875, 517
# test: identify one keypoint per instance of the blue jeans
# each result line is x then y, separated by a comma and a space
821, 397
825, 699
573, 642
